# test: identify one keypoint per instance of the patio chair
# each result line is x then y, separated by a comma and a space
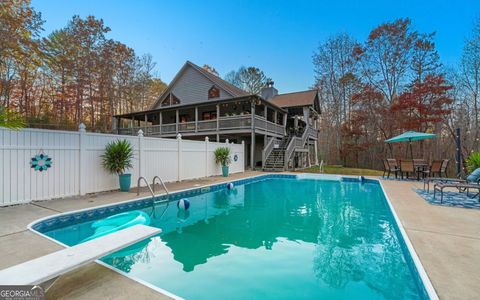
444, 167
419, 161
407, 167
392, 162
435, 168
389, 169
421, 167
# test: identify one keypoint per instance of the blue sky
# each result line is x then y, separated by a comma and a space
277, 36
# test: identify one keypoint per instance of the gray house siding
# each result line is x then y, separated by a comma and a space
192, 87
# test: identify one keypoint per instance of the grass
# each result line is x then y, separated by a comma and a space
343, 171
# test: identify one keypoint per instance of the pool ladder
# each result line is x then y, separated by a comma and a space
151, 188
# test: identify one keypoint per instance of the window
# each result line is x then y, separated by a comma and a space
166, 102
209, 115
171, 99
175, 100
213, 92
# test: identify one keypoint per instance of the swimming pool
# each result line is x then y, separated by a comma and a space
271, 237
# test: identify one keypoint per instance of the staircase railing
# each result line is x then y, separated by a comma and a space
267, 150
296, 142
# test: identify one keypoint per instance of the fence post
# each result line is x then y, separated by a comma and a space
243, 154
82, 178
179, 140
206, 156
141, 154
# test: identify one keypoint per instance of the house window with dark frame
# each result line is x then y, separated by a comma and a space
171, 99
175, 100
213, 92
166, 101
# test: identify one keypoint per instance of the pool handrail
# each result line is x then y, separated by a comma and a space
148, 185
161, 181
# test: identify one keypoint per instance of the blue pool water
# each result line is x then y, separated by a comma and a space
274, 238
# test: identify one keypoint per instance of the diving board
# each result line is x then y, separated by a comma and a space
45, 268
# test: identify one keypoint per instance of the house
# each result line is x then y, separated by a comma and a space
279, 130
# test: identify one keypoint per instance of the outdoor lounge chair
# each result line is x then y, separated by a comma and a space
389, 169
460, 186
474, 177
44, 269
435, 180
471, 182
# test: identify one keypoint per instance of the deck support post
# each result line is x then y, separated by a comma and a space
218, 117
115, 126
160, 121
196, 118
177, 119
252, 145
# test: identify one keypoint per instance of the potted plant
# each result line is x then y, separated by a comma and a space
222, 157
116, 159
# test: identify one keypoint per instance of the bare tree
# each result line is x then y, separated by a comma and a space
336, 79
250, 79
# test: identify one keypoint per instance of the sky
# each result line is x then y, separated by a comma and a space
279, 37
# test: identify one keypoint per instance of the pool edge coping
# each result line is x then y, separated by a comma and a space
432, 293
418, 265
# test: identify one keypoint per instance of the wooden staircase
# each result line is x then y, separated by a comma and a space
275, 162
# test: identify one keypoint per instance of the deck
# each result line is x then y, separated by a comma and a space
222, 125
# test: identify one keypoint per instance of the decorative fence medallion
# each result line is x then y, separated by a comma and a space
41, 162
235, 157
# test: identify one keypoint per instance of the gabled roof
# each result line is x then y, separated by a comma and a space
230, 88
219, 82
303, 98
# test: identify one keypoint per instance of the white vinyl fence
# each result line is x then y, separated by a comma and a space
76, 164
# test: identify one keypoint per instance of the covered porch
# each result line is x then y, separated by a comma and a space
230, 116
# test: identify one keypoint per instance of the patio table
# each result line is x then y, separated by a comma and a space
419, 168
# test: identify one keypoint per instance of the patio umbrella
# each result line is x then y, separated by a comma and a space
410, 136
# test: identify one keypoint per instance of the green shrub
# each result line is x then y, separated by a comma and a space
11, 119
118, 156
222, 156
473, 161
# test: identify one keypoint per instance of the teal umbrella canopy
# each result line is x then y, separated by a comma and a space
410, 136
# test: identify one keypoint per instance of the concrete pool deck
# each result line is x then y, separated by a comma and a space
446, 239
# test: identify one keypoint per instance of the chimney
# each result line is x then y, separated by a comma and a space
268, 92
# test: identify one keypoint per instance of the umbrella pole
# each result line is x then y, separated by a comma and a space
411, 150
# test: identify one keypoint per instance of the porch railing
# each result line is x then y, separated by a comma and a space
224, 123
207, 125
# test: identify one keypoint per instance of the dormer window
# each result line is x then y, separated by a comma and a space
171, 99
213, 92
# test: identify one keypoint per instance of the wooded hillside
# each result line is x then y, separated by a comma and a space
74, 74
